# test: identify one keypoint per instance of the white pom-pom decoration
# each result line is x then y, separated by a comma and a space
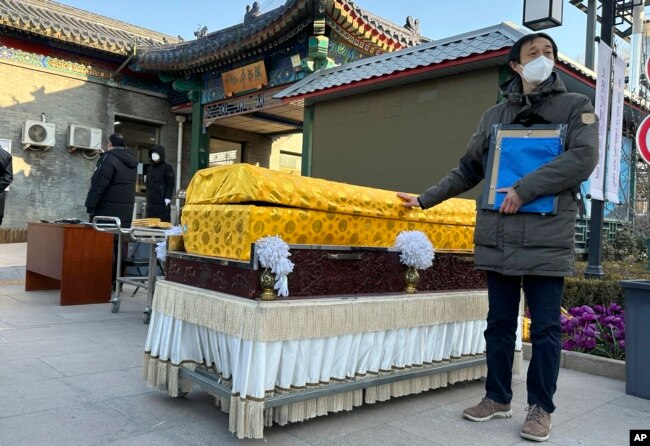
417, 250
273, 253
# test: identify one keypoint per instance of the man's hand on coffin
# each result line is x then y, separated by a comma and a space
511, 203
408, 200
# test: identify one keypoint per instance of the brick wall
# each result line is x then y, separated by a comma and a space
53, 184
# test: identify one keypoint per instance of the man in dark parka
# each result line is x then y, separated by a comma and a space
160, 186
6, 177
112, 186
525, 249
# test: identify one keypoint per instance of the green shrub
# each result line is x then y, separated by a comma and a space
581, 291
628, 244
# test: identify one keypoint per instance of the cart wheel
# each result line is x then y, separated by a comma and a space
146, 317
181, 394
115, 305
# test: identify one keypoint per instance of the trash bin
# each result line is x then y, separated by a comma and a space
637, 337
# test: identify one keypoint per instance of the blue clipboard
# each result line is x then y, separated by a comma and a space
516, 151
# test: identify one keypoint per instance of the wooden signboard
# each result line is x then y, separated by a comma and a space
246, 78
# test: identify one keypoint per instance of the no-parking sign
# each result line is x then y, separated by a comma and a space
643, 139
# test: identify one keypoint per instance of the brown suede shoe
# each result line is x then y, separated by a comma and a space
486, 410
537, 426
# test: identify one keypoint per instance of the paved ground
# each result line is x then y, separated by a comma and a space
72, 376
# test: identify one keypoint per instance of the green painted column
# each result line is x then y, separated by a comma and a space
307, 140
199, 148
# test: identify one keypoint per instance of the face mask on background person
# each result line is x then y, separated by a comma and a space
155, 157
538, 70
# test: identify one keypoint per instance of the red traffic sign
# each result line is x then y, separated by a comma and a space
643, 139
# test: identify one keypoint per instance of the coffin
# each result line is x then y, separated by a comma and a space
229, 207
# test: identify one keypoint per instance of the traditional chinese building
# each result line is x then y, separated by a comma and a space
65, 85
401, 121
229, 77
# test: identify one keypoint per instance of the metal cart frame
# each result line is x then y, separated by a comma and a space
150, 236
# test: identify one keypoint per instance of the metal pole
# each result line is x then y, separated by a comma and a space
594, 267
592, 18
179, 156
636, 50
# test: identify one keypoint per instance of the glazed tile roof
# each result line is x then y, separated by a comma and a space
224, 43
65, 23
259, 31
457, 47
492, 42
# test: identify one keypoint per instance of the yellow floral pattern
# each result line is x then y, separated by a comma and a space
228, 208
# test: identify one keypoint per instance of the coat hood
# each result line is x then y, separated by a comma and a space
160, 150
126, 156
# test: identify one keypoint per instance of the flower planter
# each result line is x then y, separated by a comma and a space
637, 358
588, 363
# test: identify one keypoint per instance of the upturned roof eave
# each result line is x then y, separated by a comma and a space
208, 53
58, 22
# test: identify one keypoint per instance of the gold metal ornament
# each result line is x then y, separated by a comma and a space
267, 280
412, 278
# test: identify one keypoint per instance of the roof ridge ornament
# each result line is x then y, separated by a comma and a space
412, 25
201, 32
252, 12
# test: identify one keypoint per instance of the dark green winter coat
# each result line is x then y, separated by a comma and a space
527, 243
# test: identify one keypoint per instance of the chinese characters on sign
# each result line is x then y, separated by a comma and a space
249, 77
223, 158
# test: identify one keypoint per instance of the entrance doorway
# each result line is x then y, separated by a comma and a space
224, 152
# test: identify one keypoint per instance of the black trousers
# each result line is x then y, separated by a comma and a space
544, 298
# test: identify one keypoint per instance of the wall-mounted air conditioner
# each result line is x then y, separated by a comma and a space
83, 137
38, 134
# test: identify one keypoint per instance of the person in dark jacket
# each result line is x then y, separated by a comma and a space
6, 177
525, 249
160, 186
112, 186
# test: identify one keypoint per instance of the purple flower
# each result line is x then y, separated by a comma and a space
614, 307
587, 309
568, 344
590, 331
589, 344
589, 316
596, 330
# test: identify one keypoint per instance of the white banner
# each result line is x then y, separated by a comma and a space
613, 171
597, 178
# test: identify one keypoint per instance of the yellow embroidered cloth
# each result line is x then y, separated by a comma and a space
229, 207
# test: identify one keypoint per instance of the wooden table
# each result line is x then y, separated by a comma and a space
73, 258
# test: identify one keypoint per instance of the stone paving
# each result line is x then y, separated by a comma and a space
72, 376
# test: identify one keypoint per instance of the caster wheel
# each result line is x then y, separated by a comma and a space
115, 306
146, 317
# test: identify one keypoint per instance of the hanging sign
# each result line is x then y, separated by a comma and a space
613, 171
597, 178
246, 78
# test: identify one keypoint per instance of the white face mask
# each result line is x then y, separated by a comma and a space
538, 70
155, 157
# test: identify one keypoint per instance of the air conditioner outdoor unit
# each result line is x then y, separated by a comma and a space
82, 137
39, 134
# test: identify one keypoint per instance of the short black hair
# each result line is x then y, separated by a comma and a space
117, 140
515, 51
